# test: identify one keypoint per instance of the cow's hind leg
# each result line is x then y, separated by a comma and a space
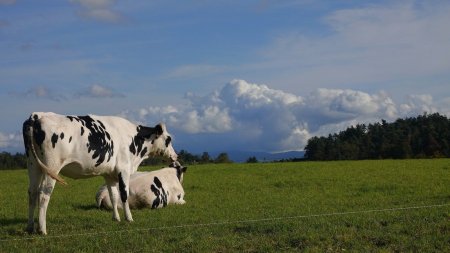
35, 177
112, 190
124, 189
45, 191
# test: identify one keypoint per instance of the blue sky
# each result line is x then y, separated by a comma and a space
224, 75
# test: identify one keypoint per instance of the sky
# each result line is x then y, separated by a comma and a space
260, 75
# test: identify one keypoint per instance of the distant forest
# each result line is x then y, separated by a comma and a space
9, 161
425, 136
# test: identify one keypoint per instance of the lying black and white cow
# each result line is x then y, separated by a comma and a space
86, 146
153, 189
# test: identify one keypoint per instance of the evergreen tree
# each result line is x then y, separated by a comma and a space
223, 158
252, 159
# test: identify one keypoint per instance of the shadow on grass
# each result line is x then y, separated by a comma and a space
86, 207
14, 226
13, 221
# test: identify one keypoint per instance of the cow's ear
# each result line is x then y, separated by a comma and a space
145, 132
184, 169
158, 130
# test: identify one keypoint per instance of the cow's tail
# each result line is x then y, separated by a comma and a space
102, 198
41, 165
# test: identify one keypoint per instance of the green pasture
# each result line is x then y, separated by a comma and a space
352, 206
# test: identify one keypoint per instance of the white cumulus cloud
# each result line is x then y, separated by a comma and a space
248, 116
10, 141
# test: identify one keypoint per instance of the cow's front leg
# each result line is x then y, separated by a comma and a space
124, 189
45, 192
112, 190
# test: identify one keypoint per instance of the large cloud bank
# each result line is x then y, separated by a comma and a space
247, 116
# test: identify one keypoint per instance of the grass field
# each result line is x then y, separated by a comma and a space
252, 208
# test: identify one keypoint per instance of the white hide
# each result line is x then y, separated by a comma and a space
141, 194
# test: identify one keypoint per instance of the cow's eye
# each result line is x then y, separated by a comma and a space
168, 140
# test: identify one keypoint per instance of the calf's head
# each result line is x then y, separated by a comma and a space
180, 170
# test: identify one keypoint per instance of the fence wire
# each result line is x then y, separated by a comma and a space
223, 223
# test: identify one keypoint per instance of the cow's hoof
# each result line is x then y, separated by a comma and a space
130, 220
30, 229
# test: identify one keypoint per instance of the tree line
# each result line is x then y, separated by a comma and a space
425, 136
184, 157
9, 161
19, 161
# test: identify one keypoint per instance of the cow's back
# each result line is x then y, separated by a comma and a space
87, 145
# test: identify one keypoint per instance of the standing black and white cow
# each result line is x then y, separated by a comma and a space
86, 146
154, 189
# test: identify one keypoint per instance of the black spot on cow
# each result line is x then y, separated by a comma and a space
144, 151
137, 142
168, 140
54, 140
99, 140
73, 118
38, 133
61, 136
157, 182
122, 189
101, 124
157, 200
160, 193
26, 138
180, 170
70, 139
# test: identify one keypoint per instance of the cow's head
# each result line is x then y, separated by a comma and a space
180, 170
157, 140
162, 143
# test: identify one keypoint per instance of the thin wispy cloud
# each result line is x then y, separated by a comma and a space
195, 71
4, 23
99, 10
365, 45
39, 92
7, 2
94, 91
99, 91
